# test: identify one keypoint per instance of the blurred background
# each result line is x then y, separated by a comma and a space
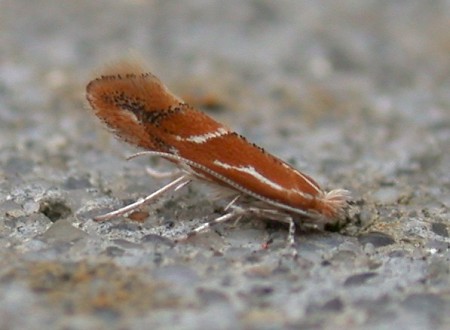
355, 93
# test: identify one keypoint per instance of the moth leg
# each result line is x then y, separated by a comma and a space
275, 215
231, 203
236, 213
291, 237
172, 186
160, 174
291, 233
290, 246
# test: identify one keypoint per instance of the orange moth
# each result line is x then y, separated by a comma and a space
139, 109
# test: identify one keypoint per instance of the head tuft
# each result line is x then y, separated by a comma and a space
334, 203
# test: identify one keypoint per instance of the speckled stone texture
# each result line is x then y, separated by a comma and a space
355, 93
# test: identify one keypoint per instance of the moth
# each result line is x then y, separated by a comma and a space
139, 109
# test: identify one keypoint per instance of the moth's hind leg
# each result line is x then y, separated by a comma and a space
172, 186
162, 175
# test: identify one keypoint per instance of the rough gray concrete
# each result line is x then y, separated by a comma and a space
355, 93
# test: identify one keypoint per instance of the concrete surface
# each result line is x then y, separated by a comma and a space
355, 93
